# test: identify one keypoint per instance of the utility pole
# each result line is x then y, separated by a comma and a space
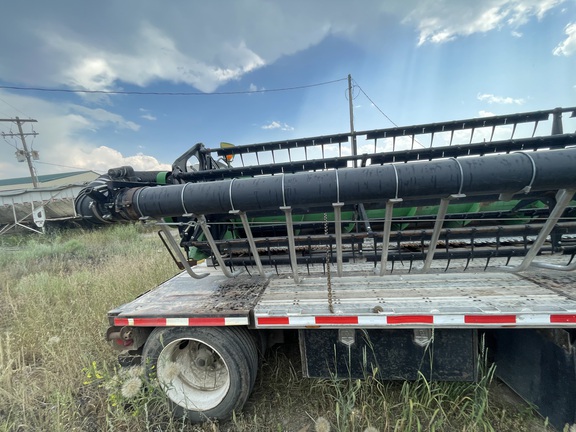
351, 108
27, 154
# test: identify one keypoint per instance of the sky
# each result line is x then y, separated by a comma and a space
172, 74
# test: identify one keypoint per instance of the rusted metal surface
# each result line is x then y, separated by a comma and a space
183, 296
239, 293
560, 282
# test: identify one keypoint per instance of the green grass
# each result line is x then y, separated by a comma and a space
58, 374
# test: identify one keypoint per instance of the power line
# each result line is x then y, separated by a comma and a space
3, 113
10, 144
63, 166
374, 103
13, 107
146, 93
382, 112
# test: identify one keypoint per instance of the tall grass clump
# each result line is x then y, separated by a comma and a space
55, 291
421, 405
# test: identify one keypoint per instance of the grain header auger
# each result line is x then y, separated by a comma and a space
453, 193
433, 235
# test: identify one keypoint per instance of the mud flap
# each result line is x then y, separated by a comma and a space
450, 355
539, 365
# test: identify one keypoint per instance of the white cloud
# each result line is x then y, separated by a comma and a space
483, 113
147, 115
66, 140
254, 88
568, 46
102, 158
90, 73
196, 44
278, 125
443, 21
99, 116
492, 99
156, 56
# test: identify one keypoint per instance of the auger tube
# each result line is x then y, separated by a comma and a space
501, 175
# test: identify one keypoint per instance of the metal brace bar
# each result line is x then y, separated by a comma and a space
563, 198
206, 230
291, 243
180, 255
569, 267
17, 222
443, 208
386, 234
250, 238
338, 232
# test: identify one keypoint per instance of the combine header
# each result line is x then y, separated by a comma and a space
398, 258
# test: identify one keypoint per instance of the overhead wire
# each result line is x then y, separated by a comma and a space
63, 166
374, 103
3, 113
9, 143
149, 93
123, 92
10, 133
382, 112
13, 107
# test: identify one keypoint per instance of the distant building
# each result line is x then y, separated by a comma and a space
22, 205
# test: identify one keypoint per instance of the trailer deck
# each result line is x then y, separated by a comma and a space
535, 298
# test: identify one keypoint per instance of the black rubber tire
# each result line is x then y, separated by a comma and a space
248, 344
236, 363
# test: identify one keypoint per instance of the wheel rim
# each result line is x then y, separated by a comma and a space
193, 374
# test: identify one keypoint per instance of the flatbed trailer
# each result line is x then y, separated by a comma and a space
400, 261
544, 298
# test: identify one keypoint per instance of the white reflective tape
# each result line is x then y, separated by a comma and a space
533, 319
448, 319
177, 322
302, 321
236, 321
372, 320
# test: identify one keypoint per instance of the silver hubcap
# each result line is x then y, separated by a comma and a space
193, 374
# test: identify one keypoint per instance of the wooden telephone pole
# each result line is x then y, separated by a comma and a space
27, 154
351, 109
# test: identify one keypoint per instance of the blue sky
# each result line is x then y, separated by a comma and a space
419, 61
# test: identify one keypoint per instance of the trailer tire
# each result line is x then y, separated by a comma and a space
206, 372
250, 348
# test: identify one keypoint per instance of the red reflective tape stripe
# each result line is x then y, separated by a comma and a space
336, 320
150, 322
411, 319
488, 319
273, 321
162, 322
206, 322
563, 318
